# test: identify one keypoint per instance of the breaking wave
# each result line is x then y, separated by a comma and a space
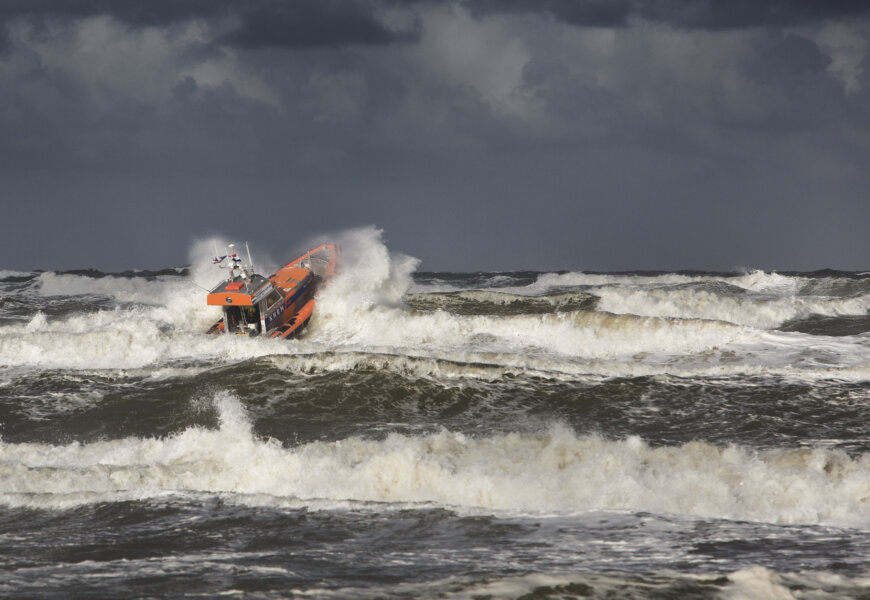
756, 281
608, 325
555, 470
501, 303
742, 309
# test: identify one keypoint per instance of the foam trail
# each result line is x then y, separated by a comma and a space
552, 471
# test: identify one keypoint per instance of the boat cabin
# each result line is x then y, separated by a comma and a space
242, 299
254, 305
277, 306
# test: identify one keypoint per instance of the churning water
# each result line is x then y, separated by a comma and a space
488, 435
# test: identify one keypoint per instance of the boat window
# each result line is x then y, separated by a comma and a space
273, 298
233, 318
251, 317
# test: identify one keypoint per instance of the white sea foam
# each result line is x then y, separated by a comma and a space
571, 346
123, 289
500, 298
4, 273
648, 330
769, 283
555, 470
757, 281
751, 310
128, 339
166, 323
176, 300
547, 281
768, 301
752, 583
756, 583
370, 275
580, 335
494, 366
761, 583
363, 308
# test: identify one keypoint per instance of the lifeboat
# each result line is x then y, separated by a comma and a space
279, 306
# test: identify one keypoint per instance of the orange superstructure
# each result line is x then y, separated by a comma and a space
278, 306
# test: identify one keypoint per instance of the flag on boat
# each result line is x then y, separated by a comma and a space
219, 259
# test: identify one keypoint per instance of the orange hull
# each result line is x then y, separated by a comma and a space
280, 306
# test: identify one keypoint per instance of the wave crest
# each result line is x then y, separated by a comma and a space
555, 470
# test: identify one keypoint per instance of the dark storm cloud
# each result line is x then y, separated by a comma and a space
689, 14
263, 23
303, 23
590, 13
737, 14
313, 23
152, 12
5, 43
479, 134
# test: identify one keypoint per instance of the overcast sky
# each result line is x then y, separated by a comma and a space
478, 134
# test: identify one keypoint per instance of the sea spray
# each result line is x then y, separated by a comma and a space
369, 275
623, 325
531, 434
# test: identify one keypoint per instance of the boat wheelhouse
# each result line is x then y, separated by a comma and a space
278, 306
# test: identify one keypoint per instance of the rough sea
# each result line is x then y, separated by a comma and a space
438, 435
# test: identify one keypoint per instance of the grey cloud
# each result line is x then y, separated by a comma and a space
153, 12
629, 147
308, 23
262, 23
590, 13
737, 14
688, 14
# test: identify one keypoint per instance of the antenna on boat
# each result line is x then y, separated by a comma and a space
236, 265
